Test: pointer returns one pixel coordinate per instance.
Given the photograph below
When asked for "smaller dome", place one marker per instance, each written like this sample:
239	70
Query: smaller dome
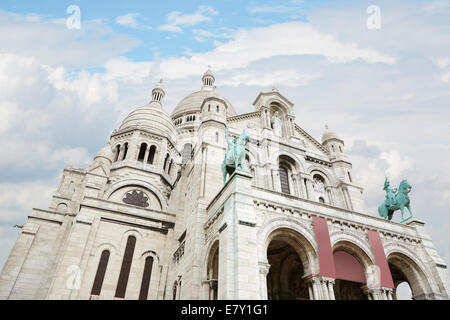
328	135
106	152
151	117
208	73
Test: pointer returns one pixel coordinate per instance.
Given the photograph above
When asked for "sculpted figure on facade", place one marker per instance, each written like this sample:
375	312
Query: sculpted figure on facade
276	124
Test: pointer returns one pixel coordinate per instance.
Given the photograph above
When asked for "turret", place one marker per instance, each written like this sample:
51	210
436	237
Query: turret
333	143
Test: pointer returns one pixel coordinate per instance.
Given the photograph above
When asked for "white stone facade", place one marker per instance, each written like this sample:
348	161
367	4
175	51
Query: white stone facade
159	181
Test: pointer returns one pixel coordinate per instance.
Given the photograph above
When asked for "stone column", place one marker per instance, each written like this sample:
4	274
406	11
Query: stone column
205	290
295	185
147	150
263	271
300	186
373	293
310	188
315	287
276	179
330	287
347	199
330	195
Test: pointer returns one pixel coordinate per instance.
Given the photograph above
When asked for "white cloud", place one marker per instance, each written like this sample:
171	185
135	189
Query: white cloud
170	28
441	62
288	78
398	165
22	197
446	77
177	19
273	9
128	19
292	38
88	47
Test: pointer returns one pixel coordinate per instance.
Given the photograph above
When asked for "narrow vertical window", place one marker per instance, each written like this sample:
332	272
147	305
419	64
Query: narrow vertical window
125	268
165	162
170	166
217	137
151	154
145	285
142	151
349	176
174	291
125	151
116	157
100	275
284	180
340	149
218	109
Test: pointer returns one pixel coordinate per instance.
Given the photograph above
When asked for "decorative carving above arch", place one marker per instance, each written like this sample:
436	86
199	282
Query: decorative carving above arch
159	200
136	198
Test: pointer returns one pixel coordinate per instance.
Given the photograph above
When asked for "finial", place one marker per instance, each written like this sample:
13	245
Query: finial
161	81
326	127
274	89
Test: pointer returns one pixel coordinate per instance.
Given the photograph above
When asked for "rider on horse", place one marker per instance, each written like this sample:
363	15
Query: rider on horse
390	194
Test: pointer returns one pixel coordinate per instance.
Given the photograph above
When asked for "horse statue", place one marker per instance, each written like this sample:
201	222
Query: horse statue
235	154
395	200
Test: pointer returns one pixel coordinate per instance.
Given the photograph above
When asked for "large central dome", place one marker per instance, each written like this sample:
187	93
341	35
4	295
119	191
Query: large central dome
193	102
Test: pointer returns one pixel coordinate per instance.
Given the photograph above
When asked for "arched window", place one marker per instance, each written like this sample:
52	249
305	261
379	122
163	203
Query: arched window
125	268
209	107
145	285
321	200
284	179
116	157
186	155
174	291
151	154
142	151
218	109
125	151
100	275
334	149
165	162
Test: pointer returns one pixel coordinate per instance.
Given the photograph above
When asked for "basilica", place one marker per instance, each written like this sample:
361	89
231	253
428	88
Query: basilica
153	218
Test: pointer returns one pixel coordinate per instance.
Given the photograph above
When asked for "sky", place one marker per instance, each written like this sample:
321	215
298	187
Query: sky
383	85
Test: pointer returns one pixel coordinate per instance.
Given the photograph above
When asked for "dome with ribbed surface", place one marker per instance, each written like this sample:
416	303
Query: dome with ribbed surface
328	135
106	152
193	102
151	117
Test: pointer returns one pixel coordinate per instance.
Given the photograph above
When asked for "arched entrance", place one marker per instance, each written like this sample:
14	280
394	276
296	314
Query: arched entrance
289	256
405	270
350	263
213	271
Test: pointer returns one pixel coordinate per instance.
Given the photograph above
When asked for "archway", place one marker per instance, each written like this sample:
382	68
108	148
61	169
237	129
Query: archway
350	263
213	271
405	271
288	255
